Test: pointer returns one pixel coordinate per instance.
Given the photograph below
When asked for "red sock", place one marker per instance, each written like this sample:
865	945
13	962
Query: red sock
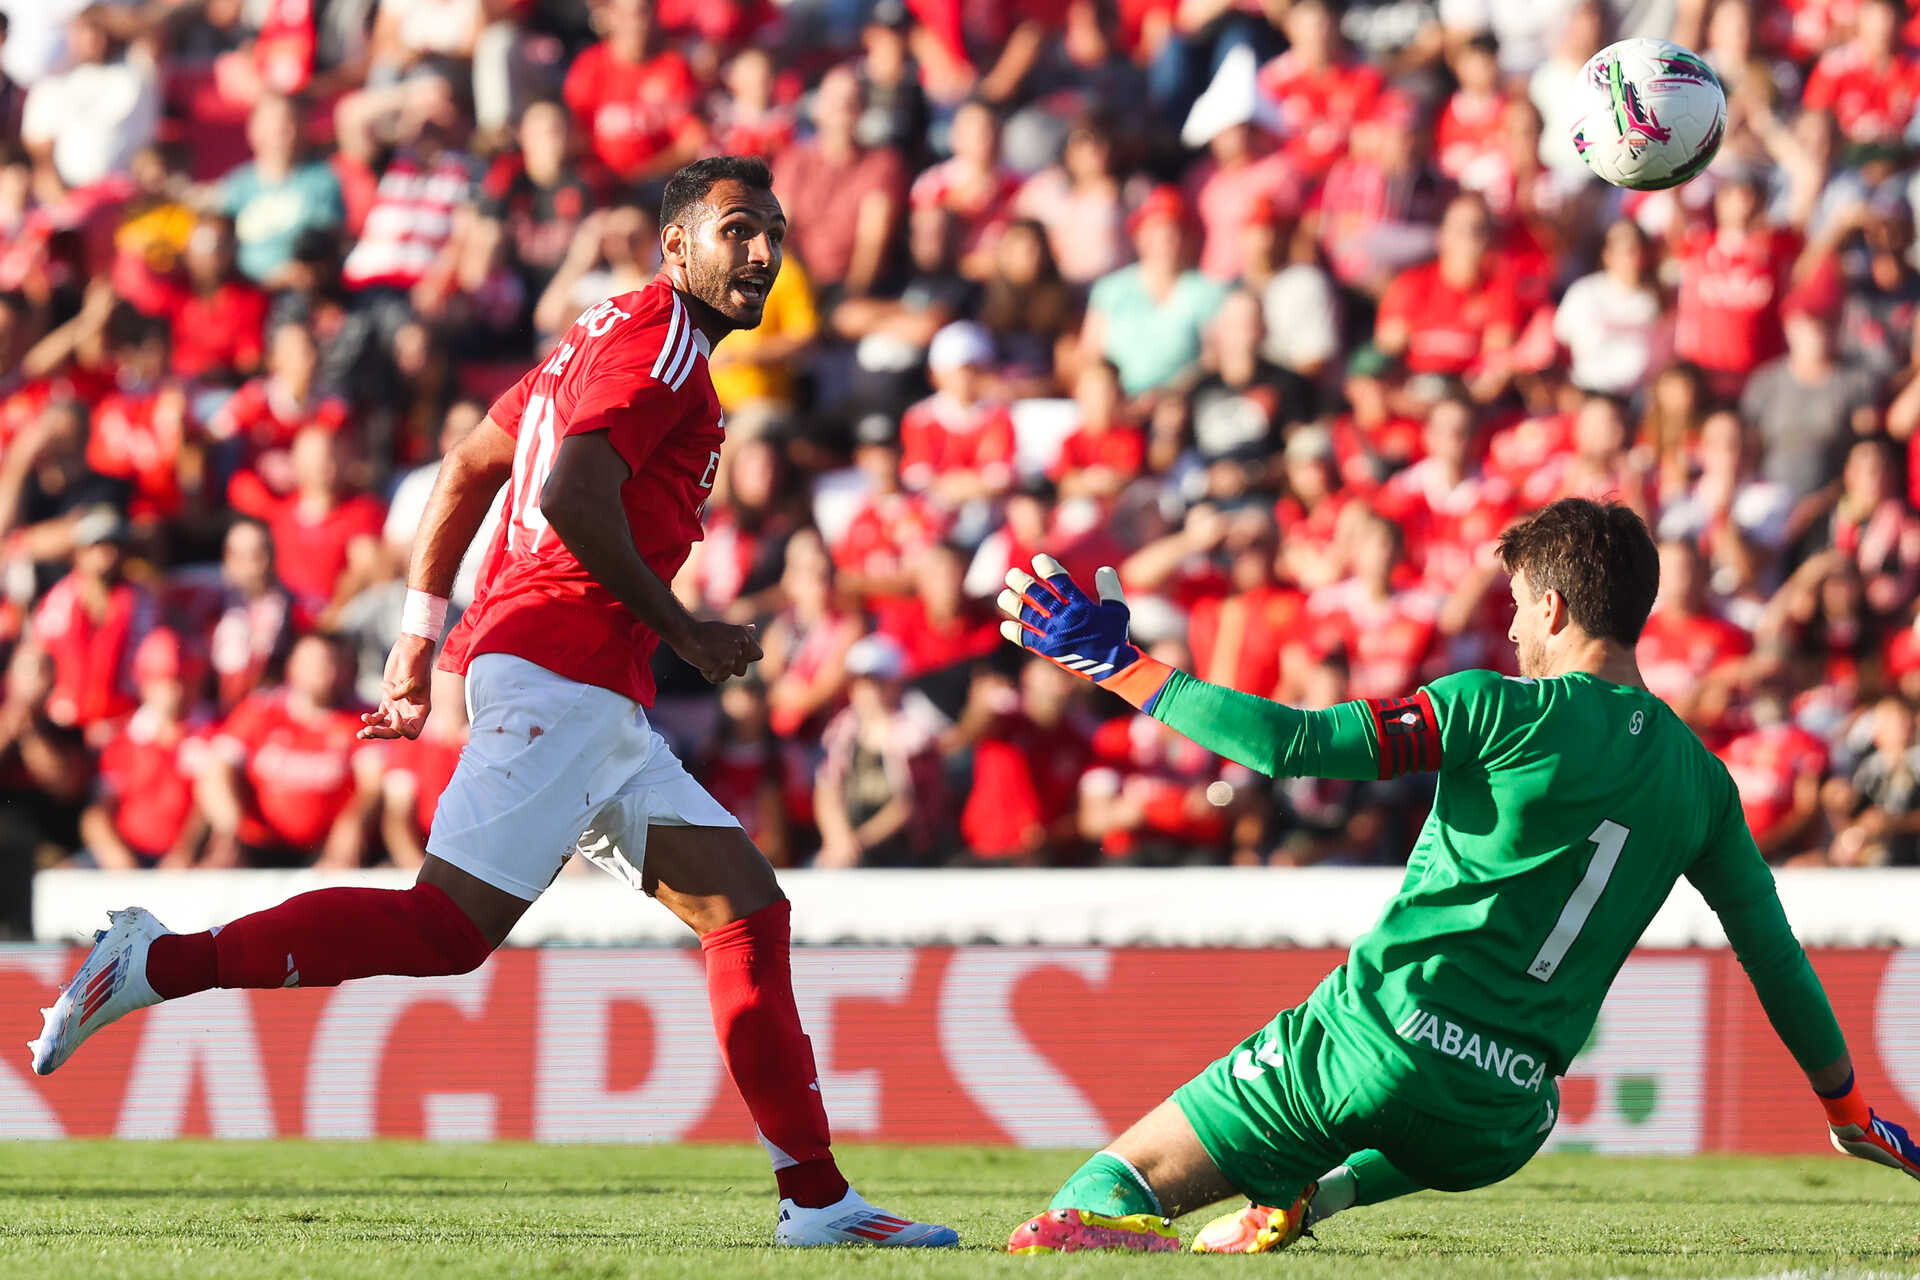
750	986
322	939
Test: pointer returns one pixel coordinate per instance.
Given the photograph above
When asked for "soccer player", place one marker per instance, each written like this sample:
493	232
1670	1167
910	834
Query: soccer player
1570	801
609	448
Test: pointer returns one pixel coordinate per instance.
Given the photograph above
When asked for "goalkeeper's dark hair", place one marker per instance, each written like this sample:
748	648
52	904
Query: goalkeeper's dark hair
1597	555
689	188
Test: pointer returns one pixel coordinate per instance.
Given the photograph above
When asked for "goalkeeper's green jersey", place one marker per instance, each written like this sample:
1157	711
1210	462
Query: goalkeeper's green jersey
1566	810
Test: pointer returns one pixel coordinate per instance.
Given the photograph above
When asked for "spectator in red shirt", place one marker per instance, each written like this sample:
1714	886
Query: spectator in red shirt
806	643
844	199
957	445
1386	626
636	100
1457	314
875	552
141	428
746	769
1869	83
1692	659
326	536
1874	528
1243	171
748	118
1467	137
1733	278
940	631
1778	768
409	777
1600	465
1105	451
972	186
1320	90
1243	639
91	622
263	416
1450	509
279	788
1146	799
251	626
142	814
1023	805
219	318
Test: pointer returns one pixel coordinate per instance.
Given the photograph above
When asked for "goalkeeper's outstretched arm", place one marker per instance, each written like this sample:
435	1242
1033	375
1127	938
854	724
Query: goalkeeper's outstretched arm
1052	616
1737	883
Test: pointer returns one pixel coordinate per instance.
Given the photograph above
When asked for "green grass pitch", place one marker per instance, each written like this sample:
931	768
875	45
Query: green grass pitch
201	1209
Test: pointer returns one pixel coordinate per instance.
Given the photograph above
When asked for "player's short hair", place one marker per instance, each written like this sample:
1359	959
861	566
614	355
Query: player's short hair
1597	555
688	189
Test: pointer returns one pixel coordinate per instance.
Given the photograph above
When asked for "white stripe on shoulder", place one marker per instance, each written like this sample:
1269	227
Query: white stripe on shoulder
684	365
676	339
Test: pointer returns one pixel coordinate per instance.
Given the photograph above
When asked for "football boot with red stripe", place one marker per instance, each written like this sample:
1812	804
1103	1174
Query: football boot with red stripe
851	1220
111	983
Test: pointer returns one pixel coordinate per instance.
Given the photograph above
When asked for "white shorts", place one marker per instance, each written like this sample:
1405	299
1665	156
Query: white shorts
552	766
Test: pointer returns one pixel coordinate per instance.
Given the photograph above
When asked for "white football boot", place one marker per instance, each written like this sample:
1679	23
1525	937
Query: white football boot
111	983
852	1220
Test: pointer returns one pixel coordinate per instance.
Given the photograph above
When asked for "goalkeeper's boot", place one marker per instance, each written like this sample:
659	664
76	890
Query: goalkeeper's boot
1257	1228
1072	1230
851	1220
111	983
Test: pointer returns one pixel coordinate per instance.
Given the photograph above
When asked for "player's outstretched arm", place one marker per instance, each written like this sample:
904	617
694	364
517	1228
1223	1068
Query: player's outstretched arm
581	501
470	476
1048	613
1736	882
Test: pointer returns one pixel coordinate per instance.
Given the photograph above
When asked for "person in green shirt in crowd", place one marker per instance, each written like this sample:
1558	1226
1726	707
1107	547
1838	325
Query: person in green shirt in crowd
1570	801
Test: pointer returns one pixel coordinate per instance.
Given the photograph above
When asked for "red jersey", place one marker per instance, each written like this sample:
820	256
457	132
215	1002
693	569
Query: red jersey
92	657
1240	641
218	332
1121	449
1446	327
981	211
1676	653
1766	764
887	530
1727	319
1514	453
310	550
265	416
933	645
1026	777
632	110
634	367
1467	140
146	781
1870	103
137	437
937	436
1387	641
1448	527
1318	108
299	772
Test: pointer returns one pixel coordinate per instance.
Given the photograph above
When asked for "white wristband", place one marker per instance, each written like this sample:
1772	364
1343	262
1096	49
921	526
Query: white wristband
423	615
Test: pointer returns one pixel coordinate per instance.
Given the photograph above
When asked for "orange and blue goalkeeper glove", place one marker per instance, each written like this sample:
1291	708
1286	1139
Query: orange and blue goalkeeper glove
1048	613
1857	1131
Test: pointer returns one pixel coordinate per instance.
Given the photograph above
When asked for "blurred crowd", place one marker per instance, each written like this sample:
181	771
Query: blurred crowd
1284	307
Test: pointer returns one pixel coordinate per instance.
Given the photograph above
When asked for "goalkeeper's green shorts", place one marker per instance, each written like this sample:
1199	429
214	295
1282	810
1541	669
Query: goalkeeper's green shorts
1291	1102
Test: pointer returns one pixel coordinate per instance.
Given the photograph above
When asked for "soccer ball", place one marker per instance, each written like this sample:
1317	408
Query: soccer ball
1650	114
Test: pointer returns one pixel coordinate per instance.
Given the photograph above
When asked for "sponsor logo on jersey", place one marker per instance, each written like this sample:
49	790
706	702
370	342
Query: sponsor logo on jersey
1449	1037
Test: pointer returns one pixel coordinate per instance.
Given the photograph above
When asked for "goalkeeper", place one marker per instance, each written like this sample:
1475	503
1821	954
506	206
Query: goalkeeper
1570	800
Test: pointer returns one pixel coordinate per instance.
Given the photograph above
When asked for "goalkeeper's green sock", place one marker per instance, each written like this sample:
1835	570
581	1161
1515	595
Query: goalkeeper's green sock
1109	1186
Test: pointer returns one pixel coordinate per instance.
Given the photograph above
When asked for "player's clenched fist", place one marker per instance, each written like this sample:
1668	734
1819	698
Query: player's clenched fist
719	650
405	691
1049	613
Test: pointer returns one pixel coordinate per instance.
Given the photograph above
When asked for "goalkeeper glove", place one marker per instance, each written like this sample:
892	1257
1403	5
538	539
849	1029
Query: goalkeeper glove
1048	613
1856	1131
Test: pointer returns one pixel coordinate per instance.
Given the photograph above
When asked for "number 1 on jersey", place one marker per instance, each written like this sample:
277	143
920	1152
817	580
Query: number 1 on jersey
532	462
1609	838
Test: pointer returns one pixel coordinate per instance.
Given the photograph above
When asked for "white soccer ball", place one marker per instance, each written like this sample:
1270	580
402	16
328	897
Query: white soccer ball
1650	114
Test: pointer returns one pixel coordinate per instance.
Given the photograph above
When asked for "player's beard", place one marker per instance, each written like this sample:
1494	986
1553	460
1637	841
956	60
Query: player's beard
1533	657
713	283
